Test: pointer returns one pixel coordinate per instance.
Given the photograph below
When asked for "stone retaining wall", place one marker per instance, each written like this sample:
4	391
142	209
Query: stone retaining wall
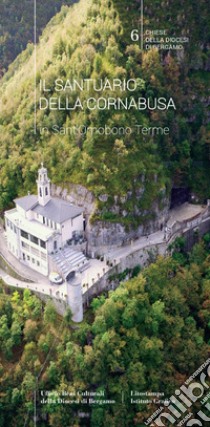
60	305
145	255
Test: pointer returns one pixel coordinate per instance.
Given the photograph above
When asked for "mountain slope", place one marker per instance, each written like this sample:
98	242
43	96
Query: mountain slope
17	25
91	41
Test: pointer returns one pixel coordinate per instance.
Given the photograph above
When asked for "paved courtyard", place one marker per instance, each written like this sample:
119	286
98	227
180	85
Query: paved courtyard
185	212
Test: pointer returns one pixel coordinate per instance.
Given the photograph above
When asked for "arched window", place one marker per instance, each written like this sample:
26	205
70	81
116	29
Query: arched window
40	192
46	191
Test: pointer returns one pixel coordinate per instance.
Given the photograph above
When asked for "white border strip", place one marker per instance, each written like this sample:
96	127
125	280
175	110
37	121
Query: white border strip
142	25
35	66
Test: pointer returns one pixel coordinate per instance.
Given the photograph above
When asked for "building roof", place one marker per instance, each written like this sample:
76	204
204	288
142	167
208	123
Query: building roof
37	229
27	202
30	226
57	210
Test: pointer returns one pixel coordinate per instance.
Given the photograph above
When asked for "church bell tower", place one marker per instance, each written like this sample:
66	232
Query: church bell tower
43	186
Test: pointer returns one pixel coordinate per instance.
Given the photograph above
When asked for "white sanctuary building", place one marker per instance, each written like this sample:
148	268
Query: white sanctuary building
39	227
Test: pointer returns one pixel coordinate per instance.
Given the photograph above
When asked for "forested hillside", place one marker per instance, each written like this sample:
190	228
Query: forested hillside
188	17
149	335
17	27
92	41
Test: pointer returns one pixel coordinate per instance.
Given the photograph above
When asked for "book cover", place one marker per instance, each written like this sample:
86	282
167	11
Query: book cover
105	213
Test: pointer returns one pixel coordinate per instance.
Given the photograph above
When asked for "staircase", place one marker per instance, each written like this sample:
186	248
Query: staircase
67	260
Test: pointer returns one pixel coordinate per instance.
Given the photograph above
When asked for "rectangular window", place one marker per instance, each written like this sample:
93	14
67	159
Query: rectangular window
33	261
38	263
42	244
28	257
55	245
24	234
43	219
34	239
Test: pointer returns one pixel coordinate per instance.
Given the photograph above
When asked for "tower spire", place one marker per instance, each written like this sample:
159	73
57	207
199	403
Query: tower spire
43	186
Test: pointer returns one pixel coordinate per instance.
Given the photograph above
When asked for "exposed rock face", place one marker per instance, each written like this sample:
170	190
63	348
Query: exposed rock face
104	234
77	195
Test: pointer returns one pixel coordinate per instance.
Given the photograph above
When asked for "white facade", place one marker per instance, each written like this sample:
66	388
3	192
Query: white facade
70	226
41	225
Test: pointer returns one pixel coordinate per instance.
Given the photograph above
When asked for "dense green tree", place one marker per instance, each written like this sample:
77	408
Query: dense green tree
50	313
30	330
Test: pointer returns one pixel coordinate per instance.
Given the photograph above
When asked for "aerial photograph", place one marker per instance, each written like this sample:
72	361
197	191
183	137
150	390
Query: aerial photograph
104	213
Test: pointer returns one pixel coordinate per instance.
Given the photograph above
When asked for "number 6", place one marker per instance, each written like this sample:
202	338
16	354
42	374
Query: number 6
135	35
